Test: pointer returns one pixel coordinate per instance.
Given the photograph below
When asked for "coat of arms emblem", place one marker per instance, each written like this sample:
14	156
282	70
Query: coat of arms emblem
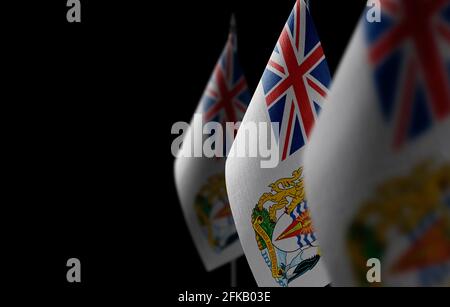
214	213
407	227
284	230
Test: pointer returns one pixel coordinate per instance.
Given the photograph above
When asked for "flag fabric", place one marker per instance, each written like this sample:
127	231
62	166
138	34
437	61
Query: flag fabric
269	206
378	164
200	181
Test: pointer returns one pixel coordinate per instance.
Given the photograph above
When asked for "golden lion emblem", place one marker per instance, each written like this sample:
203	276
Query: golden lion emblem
283	189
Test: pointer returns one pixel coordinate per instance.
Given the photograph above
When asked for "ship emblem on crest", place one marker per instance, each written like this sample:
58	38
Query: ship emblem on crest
284	231
407	226
214	214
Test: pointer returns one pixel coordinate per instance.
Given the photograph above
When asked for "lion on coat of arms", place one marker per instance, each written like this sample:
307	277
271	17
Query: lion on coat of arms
284	230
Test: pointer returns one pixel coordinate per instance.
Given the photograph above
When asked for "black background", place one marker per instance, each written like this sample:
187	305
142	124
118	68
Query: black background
92	171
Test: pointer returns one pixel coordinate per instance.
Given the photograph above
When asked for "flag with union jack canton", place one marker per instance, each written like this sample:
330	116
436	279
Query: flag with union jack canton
269	205
296	81
382	145
200	182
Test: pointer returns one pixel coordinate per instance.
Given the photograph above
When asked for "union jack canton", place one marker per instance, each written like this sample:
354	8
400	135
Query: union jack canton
410	54
296	81
226	96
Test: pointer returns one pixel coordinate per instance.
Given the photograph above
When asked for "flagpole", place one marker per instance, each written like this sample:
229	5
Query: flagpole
233	276
233	23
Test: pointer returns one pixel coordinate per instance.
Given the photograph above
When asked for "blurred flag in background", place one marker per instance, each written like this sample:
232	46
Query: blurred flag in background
200	182
377	168
269	205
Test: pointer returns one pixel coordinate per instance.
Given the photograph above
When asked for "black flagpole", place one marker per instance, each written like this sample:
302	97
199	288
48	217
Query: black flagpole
233	277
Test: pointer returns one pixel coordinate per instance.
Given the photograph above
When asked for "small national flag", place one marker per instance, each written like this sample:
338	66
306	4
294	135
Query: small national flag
270	208
378	165
200	181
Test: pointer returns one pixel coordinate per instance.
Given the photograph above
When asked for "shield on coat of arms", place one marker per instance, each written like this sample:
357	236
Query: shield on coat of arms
406	225
284	231
214	214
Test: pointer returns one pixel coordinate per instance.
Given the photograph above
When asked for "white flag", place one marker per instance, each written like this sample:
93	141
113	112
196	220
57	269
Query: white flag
378	165
268	204
200	180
